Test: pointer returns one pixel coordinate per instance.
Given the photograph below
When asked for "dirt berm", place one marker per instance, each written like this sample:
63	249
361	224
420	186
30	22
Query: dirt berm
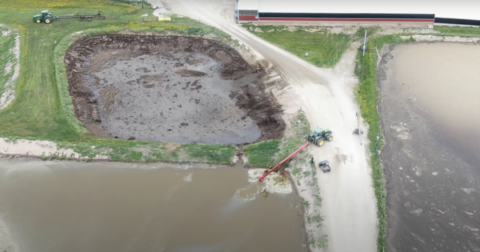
171	89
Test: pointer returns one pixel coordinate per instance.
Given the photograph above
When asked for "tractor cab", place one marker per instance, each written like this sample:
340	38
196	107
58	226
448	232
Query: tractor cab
318	136
317	132
45	13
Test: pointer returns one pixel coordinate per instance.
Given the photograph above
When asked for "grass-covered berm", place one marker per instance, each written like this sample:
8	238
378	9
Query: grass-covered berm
317	45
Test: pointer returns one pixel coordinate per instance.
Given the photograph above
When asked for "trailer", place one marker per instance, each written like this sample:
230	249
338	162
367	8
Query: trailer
87	17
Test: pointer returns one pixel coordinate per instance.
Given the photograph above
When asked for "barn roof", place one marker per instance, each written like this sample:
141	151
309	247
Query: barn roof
248	4
458	9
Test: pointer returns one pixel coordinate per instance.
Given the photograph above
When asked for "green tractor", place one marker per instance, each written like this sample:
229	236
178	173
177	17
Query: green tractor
46	17
318	136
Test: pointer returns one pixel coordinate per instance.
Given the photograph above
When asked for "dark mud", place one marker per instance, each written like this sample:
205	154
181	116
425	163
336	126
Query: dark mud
433	182
169	88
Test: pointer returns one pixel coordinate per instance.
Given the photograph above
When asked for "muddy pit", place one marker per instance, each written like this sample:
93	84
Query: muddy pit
169	88
429	106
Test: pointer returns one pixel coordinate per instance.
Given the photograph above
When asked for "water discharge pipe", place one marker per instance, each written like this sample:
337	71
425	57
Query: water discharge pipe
283	161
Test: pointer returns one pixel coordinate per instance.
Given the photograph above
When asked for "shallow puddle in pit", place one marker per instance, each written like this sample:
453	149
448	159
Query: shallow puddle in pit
67	206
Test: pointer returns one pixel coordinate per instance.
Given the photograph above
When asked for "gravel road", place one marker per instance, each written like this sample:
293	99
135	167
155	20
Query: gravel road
326	97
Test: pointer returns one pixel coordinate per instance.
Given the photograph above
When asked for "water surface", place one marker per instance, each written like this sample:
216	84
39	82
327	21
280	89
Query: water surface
67	206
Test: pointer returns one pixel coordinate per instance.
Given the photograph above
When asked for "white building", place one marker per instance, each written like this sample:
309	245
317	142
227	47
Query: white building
442	11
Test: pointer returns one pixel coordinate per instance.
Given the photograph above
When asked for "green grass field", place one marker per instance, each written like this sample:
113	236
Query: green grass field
269	153
36	111
324	48
40	109
458	31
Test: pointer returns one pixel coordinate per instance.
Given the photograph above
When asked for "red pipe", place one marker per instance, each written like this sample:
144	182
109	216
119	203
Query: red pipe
283	161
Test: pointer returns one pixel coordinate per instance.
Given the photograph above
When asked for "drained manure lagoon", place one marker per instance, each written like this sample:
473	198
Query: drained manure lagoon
170	89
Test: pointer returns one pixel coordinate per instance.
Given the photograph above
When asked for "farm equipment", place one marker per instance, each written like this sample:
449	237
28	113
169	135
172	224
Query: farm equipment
265	174
318	136
47	17
324	166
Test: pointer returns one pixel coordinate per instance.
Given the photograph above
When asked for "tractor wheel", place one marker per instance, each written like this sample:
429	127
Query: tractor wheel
320	142
38	21
329	138
48	20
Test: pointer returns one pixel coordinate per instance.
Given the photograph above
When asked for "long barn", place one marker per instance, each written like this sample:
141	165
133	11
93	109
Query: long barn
465	12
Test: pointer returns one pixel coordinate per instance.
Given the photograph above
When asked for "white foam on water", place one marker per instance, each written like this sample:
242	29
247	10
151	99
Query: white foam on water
188	178
249	192
273	183
17	172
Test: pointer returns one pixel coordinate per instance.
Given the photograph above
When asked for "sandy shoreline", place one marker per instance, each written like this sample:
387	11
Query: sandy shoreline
39	149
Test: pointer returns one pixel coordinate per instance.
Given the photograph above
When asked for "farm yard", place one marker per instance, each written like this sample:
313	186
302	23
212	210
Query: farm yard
198	91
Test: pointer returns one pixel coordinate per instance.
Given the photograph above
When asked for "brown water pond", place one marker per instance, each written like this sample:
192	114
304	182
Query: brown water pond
431	121
68	206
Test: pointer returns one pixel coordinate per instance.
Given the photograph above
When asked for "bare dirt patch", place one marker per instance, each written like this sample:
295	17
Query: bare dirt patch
8	94
169	88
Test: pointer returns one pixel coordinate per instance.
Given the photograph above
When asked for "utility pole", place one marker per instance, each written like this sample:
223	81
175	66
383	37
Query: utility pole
364	44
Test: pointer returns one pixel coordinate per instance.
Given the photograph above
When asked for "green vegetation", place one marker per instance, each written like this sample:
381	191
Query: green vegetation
260	154
458	31
316	218
209	153
296	171
367	97
324	48
306	176
43	108
289	145
306	204
36	112
7	42
268	153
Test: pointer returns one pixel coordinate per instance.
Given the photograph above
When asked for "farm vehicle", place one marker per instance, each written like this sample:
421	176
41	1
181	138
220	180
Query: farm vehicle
318	136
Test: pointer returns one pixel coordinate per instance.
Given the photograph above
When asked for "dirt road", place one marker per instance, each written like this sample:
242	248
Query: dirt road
326	97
